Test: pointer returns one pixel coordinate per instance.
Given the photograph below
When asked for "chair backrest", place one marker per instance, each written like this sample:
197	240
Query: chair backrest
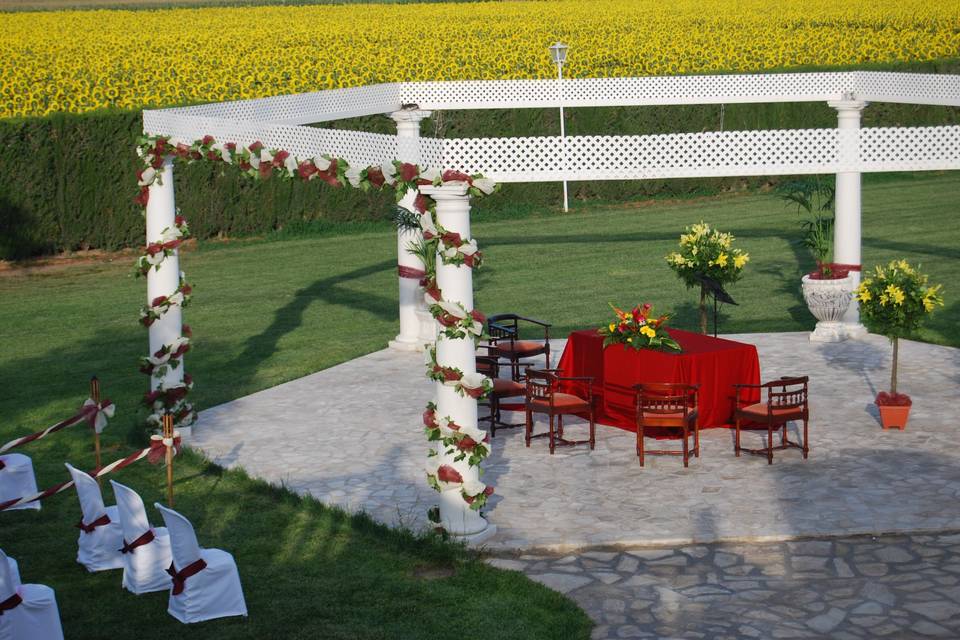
183	539
787	392
541	384
488	366
7	584
502	326
91	501
662	398
133	515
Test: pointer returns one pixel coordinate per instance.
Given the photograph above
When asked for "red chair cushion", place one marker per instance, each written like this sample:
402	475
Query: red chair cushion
759	411
562	402
674	418
520	348
507	388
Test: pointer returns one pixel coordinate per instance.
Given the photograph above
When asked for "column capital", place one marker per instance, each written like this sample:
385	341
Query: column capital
449	191
848	104
409	115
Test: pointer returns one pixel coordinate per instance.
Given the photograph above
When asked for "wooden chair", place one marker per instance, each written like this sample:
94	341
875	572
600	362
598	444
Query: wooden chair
543	396
668	406
786	400
502	388
504	331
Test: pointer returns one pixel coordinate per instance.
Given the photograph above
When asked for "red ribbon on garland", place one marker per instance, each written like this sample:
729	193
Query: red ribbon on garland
410	272
180	577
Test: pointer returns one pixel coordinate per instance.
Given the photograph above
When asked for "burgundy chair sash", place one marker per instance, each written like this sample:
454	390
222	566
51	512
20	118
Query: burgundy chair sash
99	522
2	463
180	577
10	603
146	538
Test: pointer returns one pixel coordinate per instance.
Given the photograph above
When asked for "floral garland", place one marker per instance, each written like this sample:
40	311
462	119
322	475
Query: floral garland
171	399
470	443
456	321
156	252
161	304
456	250
443	476
474	385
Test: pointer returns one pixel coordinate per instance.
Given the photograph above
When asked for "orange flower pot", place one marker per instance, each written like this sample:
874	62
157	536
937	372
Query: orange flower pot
894	416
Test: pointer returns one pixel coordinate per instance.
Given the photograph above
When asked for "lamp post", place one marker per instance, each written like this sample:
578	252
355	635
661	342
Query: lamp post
558	51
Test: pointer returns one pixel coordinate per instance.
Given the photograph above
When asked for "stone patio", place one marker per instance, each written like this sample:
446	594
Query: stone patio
351	436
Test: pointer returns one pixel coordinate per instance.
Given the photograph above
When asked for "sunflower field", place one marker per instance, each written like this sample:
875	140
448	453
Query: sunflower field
77	61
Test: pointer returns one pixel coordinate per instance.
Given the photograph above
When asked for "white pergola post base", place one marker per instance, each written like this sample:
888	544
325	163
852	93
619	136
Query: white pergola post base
847	223
413	314
456	284
165	280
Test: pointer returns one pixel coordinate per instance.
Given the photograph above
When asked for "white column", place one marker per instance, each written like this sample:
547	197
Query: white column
410	337
161	214
456	285
846	231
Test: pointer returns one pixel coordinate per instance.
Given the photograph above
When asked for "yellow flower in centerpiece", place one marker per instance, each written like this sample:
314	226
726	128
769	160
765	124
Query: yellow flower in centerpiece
647	331
612	327
629	339
721	260
741	260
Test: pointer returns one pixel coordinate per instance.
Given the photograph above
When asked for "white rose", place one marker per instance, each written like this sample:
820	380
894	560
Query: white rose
473	487
426	224
453	309
477	328
473	380
353	176
485	185
170	233
450	252
176	298
432	465
389	173
445	429
469	248
147	177
322	164
157	362
430	174
254	161
474	433
266	156
154	259
291	165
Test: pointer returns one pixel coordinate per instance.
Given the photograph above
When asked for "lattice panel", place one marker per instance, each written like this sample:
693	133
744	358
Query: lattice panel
303	108
909	148
731	153
911	88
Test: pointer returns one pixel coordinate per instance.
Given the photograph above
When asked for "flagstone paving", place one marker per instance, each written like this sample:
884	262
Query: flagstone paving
897	587
351	436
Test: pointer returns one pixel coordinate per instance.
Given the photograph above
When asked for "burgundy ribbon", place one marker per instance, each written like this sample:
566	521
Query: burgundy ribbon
410	272
848	267
99	522
158	450
2	463
180	577
10	603
146	538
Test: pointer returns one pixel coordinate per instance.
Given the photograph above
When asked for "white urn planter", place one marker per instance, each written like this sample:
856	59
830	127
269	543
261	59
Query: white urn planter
828	300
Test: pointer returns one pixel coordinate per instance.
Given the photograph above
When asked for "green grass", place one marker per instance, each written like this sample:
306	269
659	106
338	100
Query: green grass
270	311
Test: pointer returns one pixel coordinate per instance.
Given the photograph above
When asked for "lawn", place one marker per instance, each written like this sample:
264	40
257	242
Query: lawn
269	311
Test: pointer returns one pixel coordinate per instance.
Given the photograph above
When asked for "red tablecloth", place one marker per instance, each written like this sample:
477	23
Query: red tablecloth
713	363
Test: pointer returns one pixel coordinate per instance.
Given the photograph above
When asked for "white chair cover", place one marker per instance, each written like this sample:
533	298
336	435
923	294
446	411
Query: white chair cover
17	480
14	571
35	616
145	566
214	591
99	549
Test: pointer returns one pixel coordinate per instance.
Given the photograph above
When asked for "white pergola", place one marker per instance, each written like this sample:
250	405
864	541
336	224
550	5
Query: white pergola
280	123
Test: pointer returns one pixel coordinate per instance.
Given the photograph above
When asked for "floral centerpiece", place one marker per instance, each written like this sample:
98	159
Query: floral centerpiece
707	253
638	328
895	301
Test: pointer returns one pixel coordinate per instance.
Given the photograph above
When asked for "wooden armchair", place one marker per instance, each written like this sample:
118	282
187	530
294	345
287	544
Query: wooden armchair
668	406
543	396
786	401
504	331
489	365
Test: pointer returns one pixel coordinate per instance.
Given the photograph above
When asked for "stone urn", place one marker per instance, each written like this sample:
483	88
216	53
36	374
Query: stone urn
828	299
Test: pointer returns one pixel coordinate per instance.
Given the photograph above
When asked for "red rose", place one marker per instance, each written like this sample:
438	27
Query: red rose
213	155
479	317
147	321
623	326
255	147
467	444
471	260
474	393
154	248
158	301
450	374
488	491
446	473
265	170
157	162
306	169
375	176
177	393
160	146
408	172
151	397
430	418
196	155
182	150
187	379
231	146
280	157
143	197
421	204
456	176
186	289
186	330
146	369
180	351
207	140
179	221
244	165
452	238
446	320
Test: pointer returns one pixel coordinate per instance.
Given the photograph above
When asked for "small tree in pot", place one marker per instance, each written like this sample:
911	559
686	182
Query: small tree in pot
895	301
709	253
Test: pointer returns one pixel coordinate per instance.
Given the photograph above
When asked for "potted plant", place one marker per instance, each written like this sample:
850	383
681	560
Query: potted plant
895	301
707	253
827	290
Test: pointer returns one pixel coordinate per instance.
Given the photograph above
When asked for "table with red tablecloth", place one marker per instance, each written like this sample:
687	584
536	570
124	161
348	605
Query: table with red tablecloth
715	364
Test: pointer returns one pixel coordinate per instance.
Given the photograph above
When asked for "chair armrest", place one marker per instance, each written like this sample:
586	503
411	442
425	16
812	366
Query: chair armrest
588	378
535	321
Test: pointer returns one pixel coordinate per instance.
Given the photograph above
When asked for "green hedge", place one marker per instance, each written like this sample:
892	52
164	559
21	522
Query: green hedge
67	181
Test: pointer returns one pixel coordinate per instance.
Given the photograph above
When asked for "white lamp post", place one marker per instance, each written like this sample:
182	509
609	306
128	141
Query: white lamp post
558	51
